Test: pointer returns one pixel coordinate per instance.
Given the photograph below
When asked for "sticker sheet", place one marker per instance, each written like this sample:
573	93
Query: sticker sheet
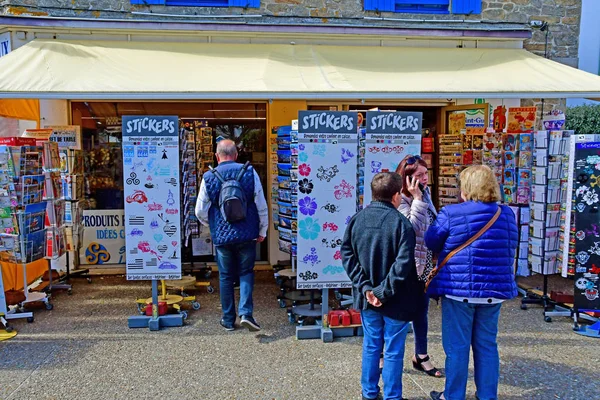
586	202
152	197
390	137
327	165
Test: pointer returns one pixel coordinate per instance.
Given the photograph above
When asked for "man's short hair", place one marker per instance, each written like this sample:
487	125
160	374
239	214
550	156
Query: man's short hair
385	185
226	148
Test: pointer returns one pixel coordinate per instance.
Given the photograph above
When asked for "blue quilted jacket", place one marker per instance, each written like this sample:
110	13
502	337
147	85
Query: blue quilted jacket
485	268
223	232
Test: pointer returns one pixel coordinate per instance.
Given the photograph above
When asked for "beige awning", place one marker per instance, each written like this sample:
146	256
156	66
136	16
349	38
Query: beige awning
144	70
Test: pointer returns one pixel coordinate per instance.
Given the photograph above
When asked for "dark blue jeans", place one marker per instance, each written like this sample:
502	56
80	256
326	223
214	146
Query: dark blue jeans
236	262
420	327
464	326
377	331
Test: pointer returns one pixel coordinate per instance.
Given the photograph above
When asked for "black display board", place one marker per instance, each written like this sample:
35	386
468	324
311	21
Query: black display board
586	204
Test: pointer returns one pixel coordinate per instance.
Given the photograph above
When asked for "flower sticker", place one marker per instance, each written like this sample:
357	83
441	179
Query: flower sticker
348	218
303	157
333	269
309	228
319	150
312	258
307	206
590	197
301	147
330	226
305	186
337	255
304	169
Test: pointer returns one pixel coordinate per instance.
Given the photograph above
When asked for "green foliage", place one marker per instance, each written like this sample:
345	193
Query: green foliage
583	119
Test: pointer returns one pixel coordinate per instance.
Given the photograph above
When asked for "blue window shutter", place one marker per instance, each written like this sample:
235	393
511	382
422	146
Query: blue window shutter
466	6
380	5
149	2
245	3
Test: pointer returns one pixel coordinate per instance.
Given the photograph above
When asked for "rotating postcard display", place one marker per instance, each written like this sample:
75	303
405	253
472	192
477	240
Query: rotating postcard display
327	158
152	197
587	226
390	137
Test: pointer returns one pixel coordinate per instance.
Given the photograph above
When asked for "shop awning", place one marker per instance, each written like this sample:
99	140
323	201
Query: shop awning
144	70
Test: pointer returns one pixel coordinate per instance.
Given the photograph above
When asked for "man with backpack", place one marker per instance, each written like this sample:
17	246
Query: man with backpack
232	204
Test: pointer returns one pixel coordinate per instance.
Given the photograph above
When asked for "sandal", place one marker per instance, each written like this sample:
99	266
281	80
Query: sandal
418	365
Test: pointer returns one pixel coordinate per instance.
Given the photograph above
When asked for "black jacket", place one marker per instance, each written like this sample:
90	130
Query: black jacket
378	254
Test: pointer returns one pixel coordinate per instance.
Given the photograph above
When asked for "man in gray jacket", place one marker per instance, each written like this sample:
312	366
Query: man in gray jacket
378	256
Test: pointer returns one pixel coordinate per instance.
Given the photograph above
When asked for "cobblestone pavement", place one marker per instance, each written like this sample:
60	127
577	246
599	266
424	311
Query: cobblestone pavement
83	350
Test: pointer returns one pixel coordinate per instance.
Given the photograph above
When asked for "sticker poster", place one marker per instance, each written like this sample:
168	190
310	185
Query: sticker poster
327	164
390	137
152	201
521	119
587	225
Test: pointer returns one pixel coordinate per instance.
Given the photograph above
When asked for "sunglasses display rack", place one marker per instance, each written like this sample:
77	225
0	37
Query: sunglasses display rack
545	224
23	231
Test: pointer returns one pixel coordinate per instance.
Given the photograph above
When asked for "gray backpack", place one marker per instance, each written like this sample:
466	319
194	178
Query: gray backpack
232	199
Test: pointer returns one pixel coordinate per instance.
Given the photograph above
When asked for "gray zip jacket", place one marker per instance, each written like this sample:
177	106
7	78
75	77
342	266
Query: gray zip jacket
416	212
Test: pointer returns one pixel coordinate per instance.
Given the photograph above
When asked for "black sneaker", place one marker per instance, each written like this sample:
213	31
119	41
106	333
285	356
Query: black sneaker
228	327
249	322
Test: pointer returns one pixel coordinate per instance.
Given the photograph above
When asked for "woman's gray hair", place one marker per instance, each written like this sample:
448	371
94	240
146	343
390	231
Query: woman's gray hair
226	148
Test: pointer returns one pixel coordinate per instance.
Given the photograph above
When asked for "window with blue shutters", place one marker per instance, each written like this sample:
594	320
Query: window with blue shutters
201	3
425	6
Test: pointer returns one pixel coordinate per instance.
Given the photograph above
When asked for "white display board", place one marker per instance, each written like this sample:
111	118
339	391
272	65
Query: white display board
390	136
103	237
152	197
327	166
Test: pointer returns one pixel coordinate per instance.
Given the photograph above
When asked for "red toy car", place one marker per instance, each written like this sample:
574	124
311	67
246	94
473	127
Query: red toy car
138	196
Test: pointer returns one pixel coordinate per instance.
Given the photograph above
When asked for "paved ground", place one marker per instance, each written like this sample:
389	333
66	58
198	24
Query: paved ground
84	350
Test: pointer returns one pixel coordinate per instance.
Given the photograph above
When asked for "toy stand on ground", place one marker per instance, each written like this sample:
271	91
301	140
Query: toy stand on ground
156	321
186	282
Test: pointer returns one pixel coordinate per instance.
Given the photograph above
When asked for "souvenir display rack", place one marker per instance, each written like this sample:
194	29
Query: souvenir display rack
544	244
303	308
56	243
23	214
72	164
196	145
450	164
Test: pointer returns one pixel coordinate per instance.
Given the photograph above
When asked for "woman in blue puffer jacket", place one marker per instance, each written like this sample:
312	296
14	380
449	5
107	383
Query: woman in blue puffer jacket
474	282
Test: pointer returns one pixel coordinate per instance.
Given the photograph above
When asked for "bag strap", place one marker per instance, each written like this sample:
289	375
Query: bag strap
487	226
241	173
217	174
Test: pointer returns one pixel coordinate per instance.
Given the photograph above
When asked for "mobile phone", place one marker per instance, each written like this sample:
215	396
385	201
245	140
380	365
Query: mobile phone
421	187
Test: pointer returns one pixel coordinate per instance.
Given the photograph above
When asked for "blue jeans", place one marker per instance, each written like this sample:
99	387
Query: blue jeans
420	327
464	326
377	331
236	262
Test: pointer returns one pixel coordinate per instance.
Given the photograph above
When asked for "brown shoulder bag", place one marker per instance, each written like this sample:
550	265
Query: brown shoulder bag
435	271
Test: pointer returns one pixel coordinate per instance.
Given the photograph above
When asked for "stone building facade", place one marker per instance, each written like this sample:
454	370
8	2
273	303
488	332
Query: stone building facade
559	42
563	16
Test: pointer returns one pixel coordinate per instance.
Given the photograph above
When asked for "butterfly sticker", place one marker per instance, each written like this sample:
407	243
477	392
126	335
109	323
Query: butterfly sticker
347	155
327	174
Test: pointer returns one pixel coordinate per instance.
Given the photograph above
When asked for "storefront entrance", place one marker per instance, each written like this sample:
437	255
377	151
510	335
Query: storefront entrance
244	123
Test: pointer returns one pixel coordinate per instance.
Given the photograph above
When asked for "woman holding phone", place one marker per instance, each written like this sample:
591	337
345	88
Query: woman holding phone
417	206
